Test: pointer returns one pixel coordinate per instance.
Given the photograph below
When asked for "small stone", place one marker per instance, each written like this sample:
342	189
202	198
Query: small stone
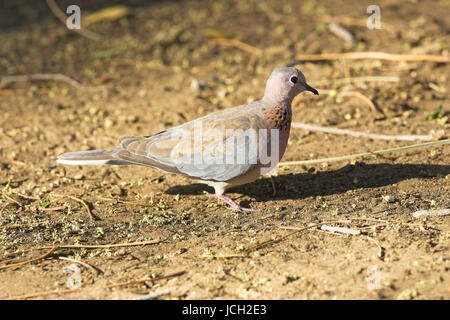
108	123
222	93
194	84
389	199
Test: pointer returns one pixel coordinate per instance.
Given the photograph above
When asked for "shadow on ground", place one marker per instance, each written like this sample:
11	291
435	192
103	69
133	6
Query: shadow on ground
350	177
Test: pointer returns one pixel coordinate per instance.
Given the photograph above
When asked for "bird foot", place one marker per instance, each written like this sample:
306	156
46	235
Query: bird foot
232	204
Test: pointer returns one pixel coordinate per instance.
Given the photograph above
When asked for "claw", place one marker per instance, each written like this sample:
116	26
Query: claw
232	204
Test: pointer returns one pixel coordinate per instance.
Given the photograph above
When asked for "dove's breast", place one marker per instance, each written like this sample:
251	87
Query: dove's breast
279	118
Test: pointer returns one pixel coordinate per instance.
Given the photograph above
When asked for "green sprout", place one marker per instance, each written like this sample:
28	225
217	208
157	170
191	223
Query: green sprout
436	115
45	203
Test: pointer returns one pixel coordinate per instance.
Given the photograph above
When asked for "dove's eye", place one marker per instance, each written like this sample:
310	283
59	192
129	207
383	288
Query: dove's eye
294	79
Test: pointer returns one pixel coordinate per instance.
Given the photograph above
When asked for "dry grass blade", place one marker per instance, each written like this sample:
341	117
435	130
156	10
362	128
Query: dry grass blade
31	260
340	230
237	44
134	203
357	134
62	17
104	246
22	225
138	282
342	33
43	294
24	195
362	97
7	197
368	154
270	242
154	295
328	228
255	52
344	20
114	285
85	205
442	212
356	79
97	270
274	188
4	207
46	77
53	208
372	55
380	248
107	14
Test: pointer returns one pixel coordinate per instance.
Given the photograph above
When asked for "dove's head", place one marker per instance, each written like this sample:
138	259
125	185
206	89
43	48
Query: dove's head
284	84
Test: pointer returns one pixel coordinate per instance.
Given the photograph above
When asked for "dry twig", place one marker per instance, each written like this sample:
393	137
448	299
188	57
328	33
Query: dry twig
380	248
368	154
7	197
4	207
274	189
357	134
340	230
138	282
357	79
114	285
97	270
105	246
442	212
62	17
372	55
342	33
48	76
22	225
154	295
53	208
85	205
255	52
24	195
344	20
298	230
237	44
362	97
134	203
31	260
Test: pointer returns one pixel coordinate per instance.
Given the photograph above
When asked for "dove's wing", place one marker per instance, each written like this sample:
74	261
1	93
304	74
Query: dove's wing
220	146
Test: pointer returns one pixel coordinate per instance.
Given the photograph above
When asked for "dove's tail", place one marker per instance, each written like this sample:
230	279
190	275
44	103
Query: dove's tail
90	158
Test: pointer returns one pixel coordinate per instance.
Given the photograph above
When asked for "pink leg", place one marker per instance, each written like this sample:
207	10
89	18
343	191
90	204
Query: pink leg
233	204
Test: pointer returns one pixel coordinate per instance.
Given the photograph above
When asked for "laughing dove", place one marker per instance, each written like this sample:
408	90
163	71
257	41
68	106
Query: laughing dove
223	149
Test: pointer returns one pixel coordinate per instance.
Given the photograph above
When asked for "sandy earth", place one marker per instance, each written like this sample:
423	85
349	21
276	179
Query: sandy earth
159	67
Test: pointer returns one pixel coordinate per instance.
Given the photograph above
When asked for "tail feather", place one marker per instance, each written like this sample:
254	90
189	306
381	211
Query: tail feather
91	157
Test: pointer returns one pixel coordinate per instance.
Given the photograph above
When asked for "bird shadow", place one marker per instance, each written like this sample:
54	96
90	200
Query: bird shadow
322	183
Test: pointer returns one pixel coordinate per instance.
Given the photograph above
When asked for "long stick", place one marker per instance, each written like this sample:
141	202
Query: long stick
372	55
367	154
105	246
48	76
59	292
28	261
357	79
357	134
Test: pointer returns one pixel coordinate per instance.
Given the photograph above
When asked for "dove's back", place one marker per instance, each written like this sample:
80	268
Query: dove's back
177	149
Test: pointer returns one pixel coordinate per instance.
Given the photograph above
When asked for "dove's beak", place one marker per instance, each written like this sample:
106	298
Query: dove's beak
309	88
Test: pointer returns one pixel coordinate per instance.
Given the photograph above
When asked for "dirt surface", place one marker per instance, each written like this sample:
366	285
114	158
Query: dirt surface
158	67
